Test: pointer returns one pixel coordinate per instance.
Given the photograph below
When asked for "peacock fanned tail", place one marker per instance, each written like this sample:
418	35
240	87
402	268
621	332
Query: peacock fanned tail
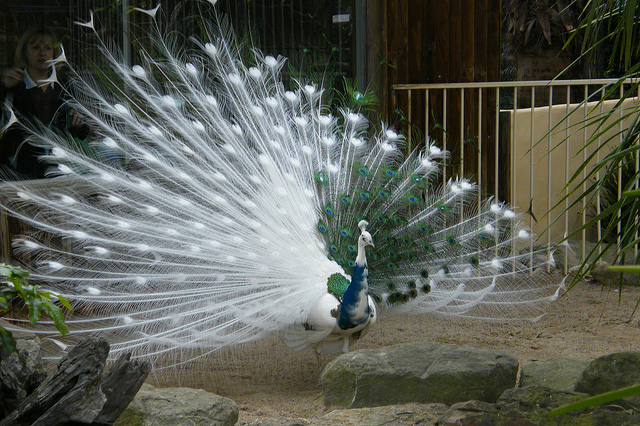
217	204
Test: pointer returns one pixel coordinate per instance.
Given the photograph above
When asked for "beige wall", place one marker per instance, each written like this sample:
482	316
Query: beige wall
554	161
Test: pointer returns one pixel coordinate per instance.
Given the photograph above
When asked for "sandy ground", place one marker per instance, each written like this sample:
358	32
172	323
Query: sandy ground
269	380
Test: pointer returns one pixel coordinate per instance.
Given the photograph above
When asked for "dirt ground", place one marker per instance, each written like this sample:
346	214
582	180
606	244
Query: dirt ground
269	380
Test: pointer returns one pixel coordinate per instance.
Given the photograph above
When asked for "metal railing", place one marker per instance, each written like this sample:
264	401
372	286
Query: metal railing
527	141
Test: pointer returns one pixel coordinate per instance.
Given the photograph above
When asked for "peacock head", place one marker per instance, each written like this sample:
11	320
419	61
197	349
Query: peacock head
365	237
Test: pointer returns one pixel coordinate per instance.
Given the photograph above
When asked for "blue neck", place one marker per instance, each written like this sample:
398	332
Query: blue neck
354	310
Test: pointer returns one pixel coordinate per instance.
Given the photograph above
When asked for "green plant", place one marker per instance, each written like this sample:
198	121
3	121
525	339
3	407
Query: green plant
16	293
609	29
596	400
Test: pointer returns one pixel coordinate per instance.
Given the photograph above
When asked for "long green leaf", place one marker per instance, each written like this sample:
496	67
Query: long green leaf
596	400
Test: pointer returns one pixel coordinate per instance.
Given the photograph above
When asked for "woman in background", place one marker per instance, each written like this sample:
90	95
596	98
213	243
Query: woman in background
32	98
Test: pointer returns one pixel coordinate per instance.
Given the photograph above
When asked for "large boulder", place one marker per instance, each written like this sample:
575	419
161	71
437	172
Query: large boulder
178	407
611	372
417	372
557	373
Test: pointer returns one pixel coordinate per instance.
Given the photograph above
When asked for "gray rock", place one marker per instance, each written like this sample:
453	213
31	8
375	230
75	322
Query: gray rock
529	406
558	373
469	413
20	373
601	274
611	372
417	372
178	407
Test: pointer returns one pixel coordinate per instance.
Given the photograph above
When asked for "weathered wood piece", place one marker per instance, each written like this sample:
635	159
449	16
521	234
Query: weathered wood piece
77	393
120	384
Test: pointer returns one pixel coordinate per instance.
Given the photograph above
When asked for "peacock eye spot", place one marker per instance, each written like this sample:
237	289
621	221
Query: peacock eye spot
391	285
411	284
413	294
426	288
329	210
424	273
322	177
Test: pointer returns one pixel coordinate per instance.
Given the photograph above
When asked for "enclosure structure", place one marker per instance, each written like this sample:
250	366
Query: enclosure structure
539	149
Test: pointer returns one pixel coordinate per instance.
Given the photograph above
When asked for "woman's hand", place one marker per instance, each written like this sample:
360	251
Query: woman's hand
12	76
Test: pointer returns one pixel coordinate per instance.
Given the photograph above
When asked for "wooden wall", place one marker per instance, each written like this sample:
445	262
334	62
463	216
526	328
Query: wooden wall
437	41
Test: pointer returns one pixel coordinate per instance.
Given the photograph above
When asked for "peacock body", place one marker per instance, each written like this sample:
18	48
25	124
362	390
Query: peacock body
218	207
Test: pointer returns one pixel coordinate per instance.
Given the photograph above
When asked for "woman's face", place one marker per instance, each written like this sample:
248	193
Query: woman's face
39	53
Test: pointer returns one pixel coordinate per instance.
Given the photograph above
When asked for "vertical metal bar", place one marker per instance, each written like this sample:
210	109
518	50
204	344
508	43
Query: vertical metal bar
531	136
621	126
566	180
549	125
480	111
462	108
598	193
514	161
444	131
637	184
410	119
584	174
497	142
514	155
426	116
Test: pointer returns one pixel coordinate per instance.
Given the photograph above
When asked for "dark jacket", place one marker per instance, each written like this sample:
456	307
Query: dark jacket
16	154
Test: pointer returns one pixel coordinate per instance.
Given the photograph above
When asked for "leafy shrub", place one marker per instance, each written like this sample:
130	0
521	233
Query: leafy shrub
16	294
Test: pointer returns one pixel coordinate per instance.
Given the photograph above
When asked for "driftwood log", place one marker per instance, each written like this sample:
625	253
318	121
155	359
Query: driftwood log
78	393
